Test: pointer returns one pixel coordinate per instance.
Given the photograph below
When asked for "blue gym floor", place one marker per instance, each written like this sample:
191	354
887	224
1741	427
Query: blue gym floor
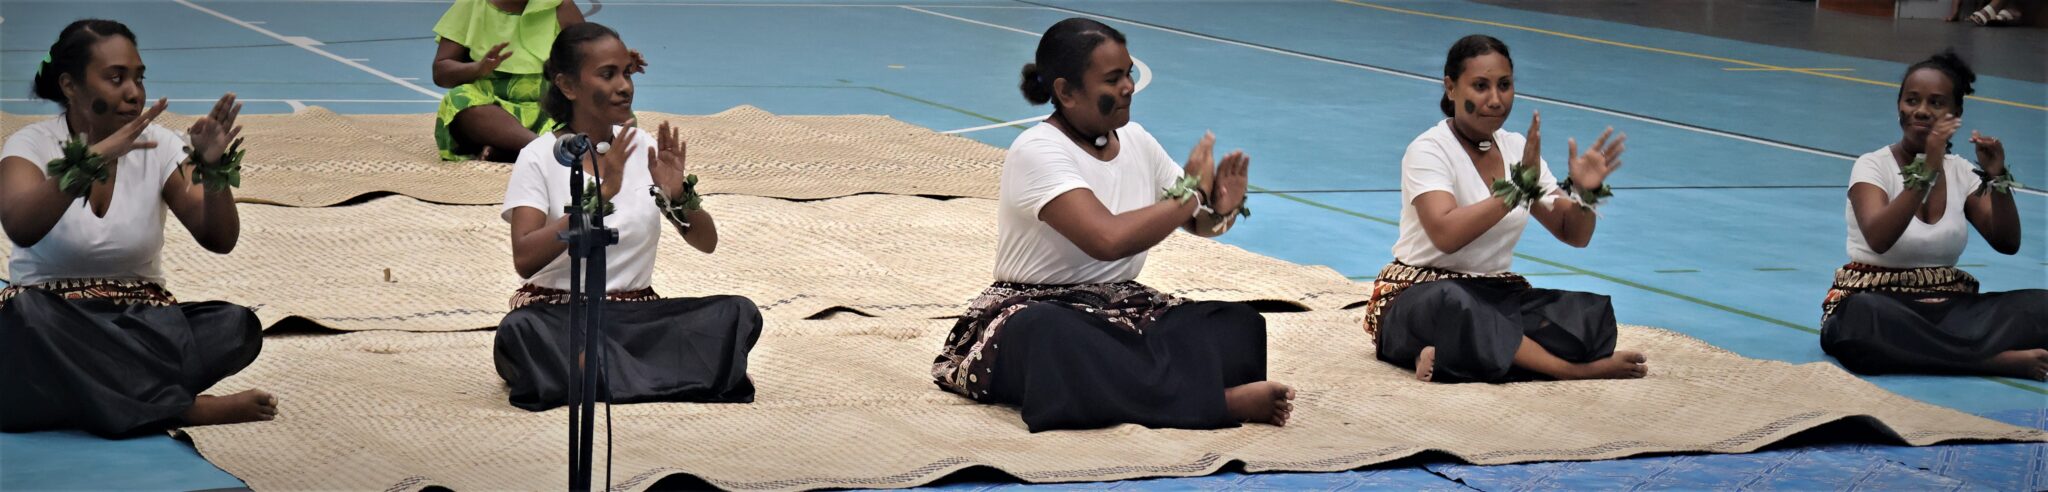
1727	225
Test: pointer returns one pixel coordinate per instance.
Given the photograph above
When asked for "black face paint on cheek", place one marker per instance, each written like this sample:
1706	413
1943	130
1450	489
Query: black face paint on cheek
1471	108
1105	105
99	106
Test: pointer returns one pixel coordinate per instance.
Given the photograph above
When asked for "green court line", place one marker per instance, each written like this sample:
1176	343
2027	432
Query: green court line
1323	206
940	105
1678	270
1361	277
1776	269
1622	281
156	82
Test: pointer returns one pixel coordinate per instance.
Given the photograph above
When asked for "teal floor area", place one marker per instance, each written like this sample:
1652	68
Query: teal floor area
1727	225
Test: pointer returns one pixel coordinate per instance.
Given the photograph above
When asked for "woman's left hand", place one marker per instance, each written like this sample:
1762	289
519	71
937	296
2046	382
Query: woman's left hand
668	161
1990	153
211	134
1590	170
1232	179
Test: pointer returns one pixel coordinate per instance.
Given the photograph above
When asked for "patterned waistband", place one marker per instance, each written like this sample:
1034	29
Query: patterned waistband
1859	277
970	348
1398	276
119	291
1123	296
530	294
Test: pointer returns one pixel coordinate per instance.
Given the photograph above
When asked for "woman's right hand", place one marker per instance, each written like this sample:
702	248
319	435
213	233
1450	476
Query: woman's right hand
1532	148
1202	162
496	56
122	141
1938	136
611	165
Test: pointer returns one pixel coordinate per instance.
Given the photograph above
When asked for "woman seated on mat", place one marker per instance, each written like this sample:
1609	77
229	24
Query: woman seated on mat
89	337
490	58
1448	306
655	349
1900	305
1065	332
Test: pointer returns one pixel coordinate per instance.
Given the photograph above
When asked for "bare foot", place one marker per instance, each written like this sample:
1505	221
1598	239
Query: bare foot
1622	365
1262	402
247	406
1425	364
2024	364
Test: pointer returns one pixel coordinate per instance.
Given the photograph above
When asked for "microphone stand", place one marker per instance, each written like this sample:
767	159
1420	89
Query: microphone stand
587	237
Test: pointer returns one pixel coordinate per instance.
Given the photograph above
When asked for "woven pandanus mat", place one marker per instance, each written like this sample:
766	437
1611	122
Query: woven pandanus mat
318	158
850	403
450	267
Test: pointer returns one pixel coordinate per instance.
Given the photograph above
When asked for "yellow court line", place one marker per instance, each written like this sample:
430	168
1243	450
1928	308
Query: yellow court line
1654	49
1734	69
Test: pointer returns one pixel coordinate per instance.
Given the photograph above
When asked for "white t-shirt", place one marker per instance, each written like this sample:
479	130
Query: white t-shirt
128	242
1043	163
1435	161
538	182
1922	244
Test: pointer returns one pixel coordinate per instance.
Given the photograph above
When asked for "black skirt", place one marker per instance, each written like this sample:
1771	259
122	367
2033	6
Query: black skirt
1476	327
1889	332
1072	370
673	350
115	369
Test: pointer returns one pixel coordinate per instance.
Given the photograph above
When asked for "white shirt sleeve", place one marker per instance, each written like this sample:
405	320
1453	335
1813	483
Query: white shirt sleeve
1547	180
33	145
1425	168
1869	170
168	155
527	186
1044	171
1165	170
1966	174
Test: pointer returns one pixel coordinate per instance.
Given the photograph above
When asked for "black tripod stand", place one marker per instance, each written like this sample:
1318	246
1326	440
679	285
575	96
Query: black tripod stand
587	237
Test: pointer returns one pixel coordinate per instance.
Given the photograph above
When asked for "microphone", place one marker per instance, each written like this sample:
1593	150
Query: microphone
569	150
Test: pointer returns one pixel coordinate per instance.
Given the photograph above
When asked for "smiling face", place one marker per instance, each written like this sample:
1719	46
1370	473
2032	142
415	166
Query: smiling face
1924	97
1100	102
1484	95
109	91
601	89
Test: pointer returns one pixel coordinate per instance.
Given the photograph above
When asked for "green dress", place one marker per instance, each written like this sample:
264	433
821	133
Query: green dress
517	85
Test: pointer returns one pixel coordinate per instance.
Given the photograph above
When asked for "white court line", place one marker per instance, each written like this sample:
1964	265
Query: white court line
1708	131
286	101
1568	104
971	21
992	126
704	4
300	41
297	106
1145	71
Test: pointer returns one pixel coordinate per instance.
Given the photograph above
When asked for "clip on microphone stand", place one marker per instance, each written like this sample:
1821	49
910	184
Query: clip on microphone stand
587	237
